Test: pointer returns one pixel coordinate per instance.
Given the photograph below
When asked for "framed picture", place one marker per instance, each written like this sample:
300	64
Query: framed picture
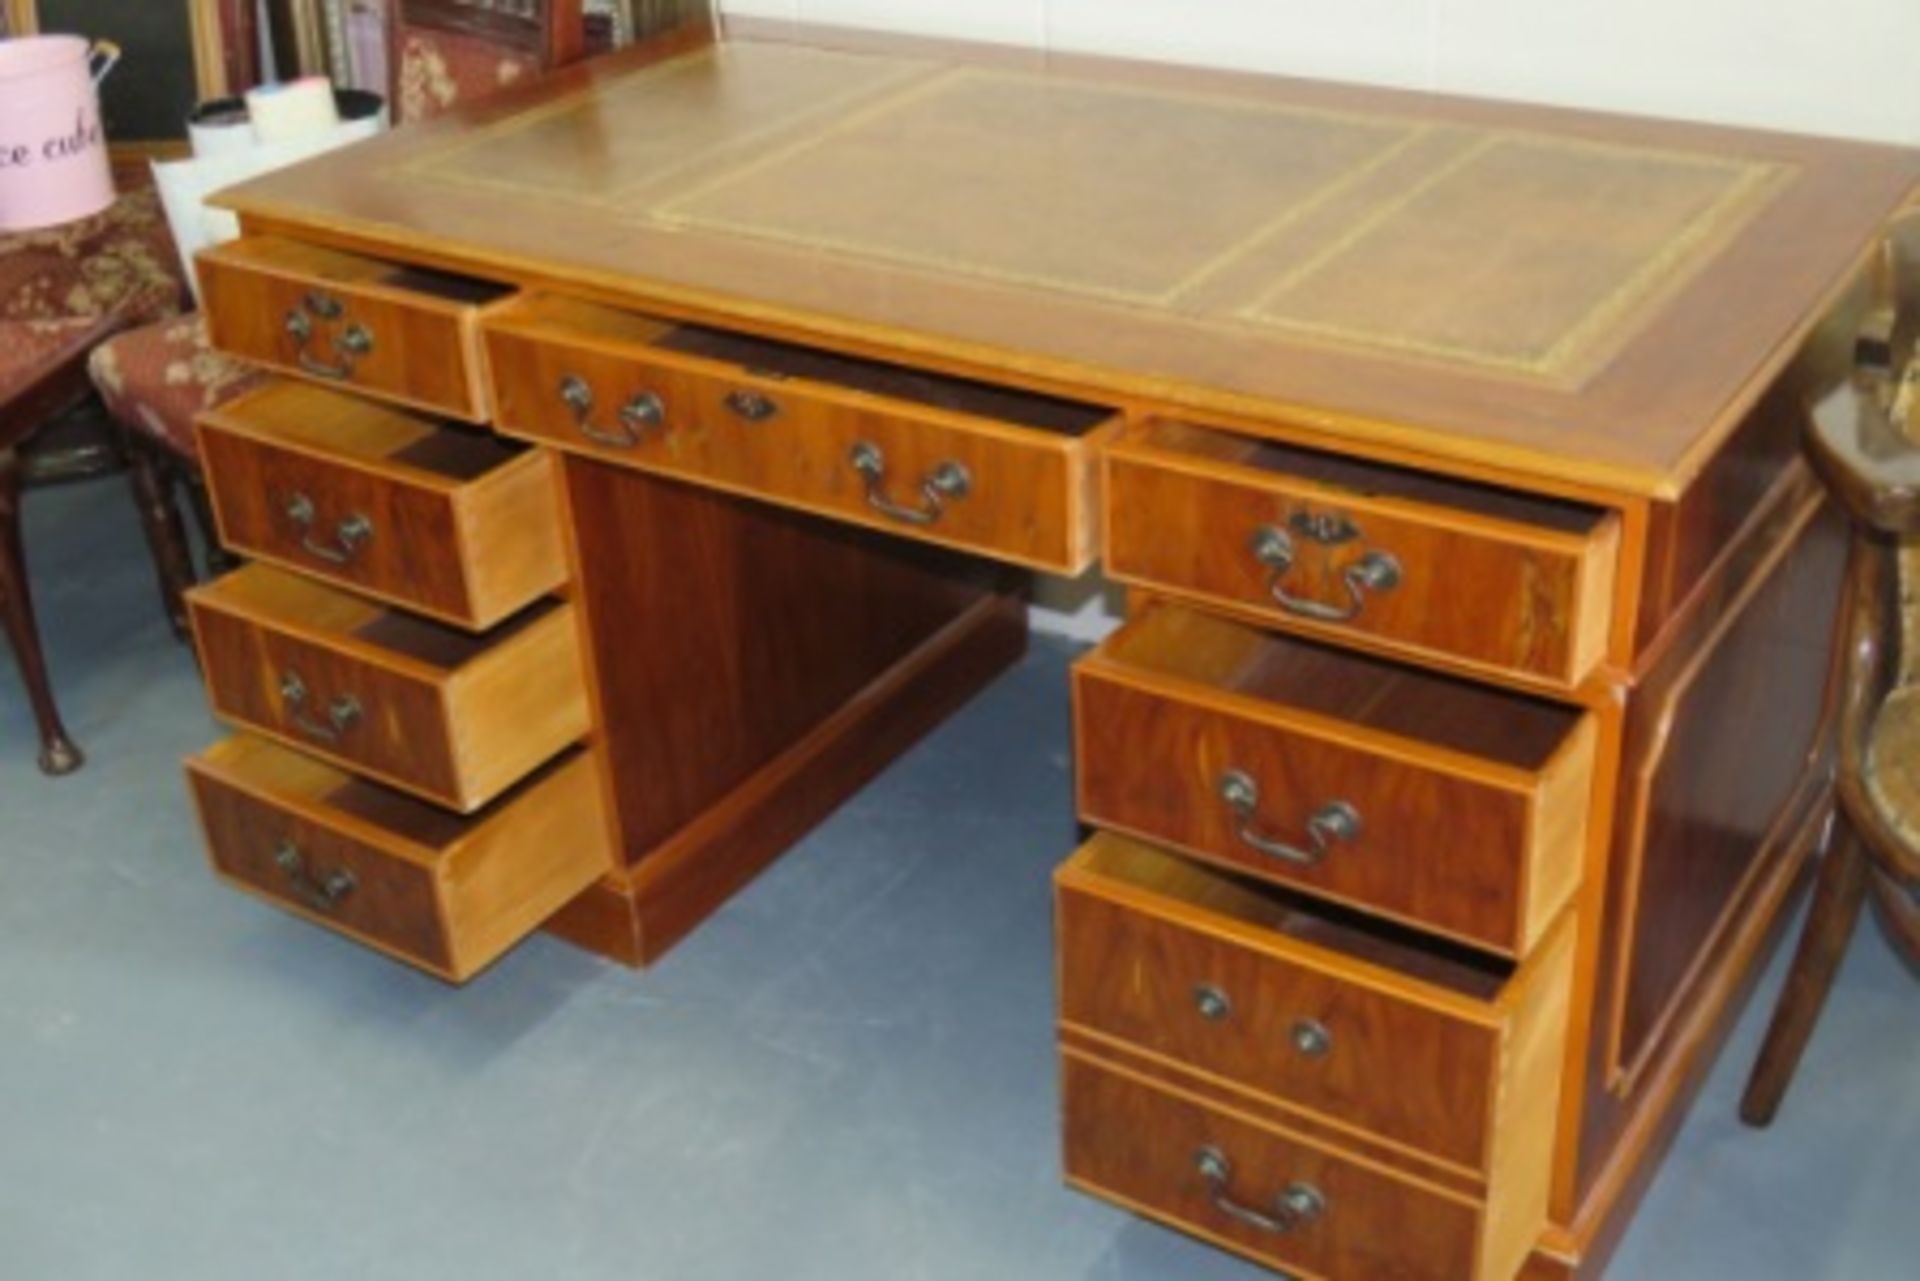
174	55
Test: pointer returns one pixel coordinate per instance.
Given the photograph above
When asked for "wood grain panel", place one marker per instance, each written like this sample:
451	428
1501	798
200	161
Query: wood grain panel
1438	1052
447	893
781	423
1138	1144
725	630
451	717
1723	761
1492	579
455	524
1471	804
300	308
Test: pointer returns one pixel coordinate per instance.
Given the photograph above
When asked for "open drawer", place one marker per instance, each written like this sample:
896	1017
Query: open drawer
405	333
445	714
1322	1026
1453	806
444	892
1409	561
1004	473
447	520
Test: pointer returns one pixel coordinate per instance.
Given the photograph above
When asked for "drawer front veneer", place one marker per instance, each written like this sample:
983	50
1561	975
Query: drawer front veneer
1286	1203
449	716
1431	568
397	332
1001	473
451	522
1349	1022
1438	802
442	892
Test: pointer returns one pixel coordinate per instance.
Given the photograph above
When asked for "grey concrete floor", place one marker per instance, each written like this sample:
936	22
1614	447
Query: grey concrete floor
848	1073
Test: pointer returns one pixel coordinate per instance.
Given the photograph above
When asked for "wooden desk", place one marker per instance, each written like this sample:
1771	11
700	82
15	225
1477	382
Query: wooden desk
1466	738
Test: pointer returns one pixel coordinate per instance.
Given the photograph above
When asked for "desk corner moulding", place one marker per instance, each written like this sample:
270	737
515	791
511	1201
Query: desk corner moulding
659	448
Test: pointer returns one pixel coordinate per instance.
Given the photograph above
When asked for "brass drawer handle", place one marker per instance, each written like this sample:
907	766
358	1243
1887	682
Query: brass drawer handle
947	481
351	343
751	405
644	410
349	535
343	713
1374	571
1334	821
323	893
1296	1207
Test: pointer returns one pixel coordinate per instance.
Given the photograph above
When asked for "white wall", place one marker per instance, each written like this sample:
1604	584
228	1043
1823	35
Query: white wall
1848	67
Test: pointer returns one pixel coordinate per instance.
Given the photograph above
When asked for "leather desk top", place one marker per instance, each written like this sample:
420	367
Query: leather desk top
1586	299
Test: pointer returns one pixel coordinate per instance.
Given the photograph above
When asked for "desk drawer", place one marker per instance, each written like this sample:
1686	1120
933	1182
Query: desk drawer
446	893
1003	473
1306	1209
1208	1172
1363	1026
404	333
1407	561
1449	805
447	715
445	520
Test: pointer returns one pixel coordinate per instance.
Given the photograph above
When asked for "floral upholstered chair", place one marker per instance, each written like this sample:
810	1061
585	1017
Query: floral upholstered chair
62	290
156	380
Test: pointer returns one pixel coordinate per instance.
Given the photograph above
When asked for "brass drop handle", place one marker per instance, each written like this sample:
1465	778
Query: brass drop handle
349	535
350	343
343	713
1299	1205
1333	821
643	410
1373	571
321	892
947	481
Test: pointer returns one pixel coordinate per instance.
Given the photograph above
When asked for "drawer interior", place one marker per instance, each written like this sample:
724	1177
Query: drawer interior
1369	479
407	827
1413	704
333	266
313	419
1191	890
767	358
294	603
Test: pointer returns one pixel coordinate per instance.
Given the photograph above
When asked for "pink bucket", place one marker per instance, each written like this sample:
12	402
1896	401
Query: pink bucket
53	148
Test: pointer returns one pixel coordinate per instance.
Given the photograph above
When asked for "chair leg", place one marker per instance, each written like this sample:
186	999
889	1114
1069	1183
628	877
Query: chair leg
1837	898
148	472
219	559
58	755
1899	914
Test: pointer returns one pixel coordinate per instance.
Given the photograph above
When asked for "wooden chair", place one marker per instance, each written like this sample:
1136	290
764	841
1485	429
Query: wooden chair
156	380
1871	462
62	290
